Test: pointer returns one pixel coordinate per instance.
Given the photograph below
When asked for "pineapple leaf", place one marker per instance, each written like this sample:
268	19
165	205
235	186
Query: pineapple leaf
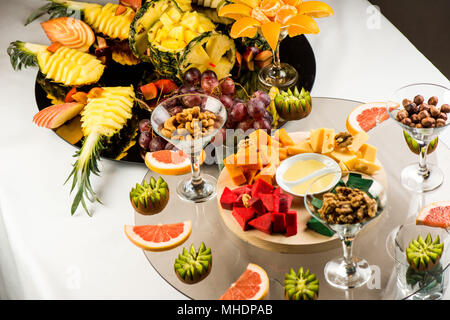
20	56
38	13
55	9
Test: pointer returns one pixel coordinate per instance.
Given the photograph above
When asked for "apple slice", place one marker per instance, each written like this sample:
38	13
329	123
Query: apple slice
56	115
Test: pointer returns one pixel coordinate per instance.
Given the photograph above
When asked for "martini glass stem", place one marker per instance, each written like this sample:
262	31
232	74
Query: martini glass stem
195	169
276	56
423	169
347	245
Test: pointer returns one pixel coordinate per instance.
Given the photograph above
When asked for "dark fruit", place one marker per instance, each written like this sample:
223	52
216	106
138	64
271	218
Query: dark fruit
209	84
157	143
145	125
186	88
150	197
209	73
245	125
227	86
174	110
261	95
256	108
238	112
227	101
191	100
193	76
263	124
144	139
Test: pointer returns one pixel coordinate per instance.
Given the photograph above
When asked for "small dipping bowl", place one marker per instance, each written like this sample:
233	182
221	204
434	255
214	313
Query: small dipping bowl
287	185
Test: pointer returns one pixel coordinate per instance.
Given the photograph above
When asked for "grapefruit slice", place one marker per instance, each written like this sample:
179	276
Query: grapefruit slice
159	237
253	284
368	115
436	214
169	162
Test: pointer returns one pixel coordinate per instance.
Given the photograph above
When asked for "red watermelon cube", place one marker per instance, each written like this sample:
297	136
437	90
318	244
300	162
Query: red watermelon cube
285	202
278	222
261	186
291	223
241	190
278	191
271	202
263	223
258	205
243	215
227	199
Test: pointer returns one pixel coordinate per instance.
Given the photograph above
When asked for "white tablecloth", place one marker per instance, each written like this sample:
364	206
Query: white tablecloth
47	254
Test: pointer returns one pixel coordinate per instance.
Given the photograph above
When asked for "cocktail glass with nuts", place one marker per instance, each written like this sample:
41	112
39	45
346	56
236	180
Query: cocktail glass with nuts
190	121
346	210
423	115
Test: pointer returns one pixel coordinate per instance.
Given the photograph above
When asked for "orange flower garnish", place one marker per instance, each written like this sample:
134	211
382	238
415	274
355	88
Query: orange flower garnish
270	7
271	32
245	27
285	13
259	15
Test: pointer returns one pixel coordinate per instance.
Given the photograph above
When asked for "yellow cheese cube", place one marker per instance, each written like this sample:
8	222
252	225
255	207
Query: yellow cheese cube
259	138
301	147
365	166
344	168
316	138
345	156
358	140
328	140
267	174
283	137
368	152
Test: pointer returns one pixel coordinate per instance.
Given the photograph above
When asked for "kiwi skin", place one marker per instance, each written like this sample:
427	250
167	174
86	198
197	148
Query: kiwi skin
145	205
150	210
197	277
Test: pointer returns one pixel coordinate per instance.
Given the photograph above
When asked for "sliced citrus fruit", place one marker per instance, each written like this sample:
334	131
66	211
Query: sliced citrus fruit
294	3
302	25
169	162
436	214
285	13
244	27
253	284
250	3
159	237
368	115
315	9
270	7
271	32
259	15
235	11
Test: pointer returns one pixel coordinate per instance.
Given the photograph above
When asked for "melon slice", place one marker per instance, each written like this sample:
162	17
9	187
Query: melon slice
263	223
243	215
227	199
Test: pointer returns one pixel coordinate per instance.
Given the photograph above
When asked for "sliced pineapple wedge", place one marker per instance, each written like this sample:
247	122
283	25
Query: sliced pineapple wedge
210	51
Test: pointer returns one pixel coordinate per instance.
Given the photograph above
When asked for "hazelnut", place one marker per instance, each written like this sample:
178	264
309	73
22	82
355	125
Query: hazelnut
415	118
434	111
442	116
424	107
428	122
418	99
433	100
445	108
410	108
419	125
440	123
402	114
405	102
423	114
406	121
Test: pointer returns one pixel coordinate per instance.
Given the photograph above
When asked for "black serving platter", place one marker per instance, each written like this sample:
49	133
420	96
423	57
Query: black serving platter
295	51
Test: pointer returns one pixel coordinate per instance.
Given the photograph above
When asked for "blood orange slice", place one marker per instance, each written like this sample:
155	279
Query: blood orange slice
253	284
159	237
436	214
367	116
169	162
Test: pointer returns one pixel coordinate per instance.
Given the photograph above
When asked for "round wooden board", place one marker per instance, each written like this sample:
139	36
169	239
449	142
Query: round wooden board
306	240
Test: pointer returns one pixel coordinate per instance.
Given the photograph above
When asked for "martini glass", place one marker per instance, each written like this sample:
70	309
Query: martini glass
196	187
347	272
278	74
421	176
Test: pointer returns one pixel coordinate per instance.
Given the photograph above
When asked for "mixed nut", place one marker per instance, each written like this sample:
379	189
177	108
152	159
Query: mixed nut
343	139
189	124
347	206
418	114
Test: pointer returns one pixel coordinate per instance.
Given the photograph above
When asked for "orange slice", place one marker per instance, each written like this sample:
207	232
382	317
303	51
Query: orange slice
294	3
315	9
302	24
250	3
435	215
159	237
259	15
367	116
271	32
253	284
235	11
169	162
285	13
270	7
244	27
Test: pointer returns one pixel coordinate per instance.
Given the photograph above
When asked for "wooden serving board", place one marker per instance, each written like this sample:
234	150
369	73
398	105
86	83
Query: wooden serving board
306	240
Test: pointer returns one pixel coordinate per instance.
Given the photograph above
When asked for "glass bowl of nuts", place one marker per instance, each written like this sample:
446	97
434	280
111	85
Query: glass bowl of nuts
346	208
423	115
190	121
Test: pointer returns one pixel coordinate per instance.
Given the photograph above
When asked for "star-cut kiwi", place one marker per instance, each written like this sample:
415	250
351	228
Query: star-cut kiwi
301	285
424	254
194	265
150	197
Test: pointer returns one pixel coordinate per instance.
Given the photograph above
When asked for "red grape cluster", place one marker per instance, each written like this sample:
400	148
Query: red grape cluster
148	141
